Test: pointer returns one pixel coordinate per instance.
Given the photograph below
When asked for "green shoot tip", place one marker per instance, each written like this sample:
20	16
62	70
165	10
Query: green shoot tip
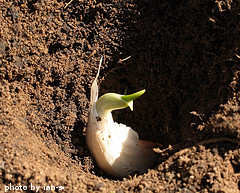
131	97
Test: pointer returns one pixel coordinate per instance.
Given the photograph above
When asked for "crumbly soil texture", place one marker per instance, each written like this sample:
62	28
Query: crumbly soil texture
186	54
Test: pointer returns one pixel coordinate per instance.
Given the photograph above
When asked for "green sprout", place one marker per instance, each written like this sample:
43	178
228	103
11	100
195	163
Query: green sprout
112	101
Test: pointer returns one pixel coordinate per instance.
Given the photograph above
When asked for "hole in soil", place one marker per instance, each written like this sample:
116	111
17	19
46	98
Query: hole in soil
180	73
174	60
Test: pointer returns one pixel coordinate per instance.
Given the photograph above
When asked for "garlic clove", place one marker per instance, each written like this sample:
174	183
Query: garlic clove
115	147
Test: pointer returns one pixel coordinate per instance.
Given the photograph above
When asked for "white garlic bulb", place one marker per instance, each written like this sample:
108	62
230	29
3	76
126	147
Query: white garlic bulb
115	147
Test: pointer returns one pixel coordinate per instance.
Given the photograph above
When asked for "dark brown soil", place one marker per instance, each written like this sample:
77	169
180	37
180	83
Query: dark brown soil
186	54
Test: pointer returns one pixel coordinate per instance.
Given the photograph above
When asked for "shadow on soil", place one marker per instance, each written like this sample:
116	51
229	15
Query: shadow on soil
183	61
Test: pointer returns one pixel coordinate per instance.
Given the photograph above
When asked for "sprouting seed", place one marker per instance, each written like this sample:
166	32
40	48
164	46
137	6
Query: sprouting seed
116	147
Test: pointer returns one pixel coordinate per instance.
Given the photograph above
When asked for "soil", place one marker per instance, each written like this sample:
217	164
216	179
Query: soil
185	54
